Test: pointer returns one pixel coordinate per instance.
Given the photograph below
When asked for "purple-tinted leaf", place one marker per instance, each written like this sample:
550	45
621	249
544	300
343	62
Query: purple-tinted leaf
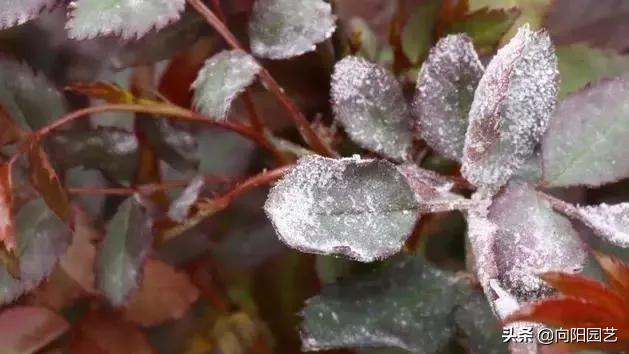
127	18
409	305
511	109
368	101
16	12
610	222
180	207
280	29
41	239
445	90
432	190
123	251
531	238
582	144
27	330
363	209
601	23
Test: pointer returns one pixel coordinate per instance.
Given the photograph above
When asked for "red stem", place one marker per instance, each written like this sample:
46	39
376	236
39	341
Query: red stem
306	131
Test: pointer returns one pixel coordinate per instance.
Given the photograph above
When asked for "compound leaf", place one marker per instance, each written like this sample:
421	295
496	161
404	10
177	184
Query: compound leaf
17	12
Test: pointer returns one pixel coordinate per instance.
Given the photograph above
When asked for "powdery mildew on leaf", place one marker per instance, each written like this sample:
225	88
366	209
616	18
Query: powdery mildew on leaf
583	144
180	207
445	90
363	209
368	101
610	222
433	190
17	12
531	238
41	239
222	78
123	251
408	304
127	18
281	29
511	109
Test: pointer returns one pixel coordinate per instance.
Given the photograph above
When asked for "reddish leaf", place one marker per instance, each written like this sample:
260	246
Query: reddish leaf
565	312
46	181
584	288
617	274
165	294
104	90
7	222
26	330
103	333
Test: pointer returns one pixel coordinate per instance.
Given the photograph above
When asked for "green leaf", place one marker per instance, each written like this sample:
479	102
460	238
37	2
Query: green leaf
41	239
173	143
123	251
583	144
363	209
29	98
418	33
580	64
113	151
28	329
486	27
511	109
445	90
369	102
281	29
16	12
222	78
407	304
477	321
127	18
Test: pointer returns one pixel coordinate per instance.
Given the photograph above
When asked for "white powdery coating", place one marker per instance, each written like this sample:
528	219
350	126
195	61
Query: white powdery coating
433	191
511	109
17	12
445	89
363	209
369	102
531	239
583	144
222	78
180	208
281	29
127	18
608	221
